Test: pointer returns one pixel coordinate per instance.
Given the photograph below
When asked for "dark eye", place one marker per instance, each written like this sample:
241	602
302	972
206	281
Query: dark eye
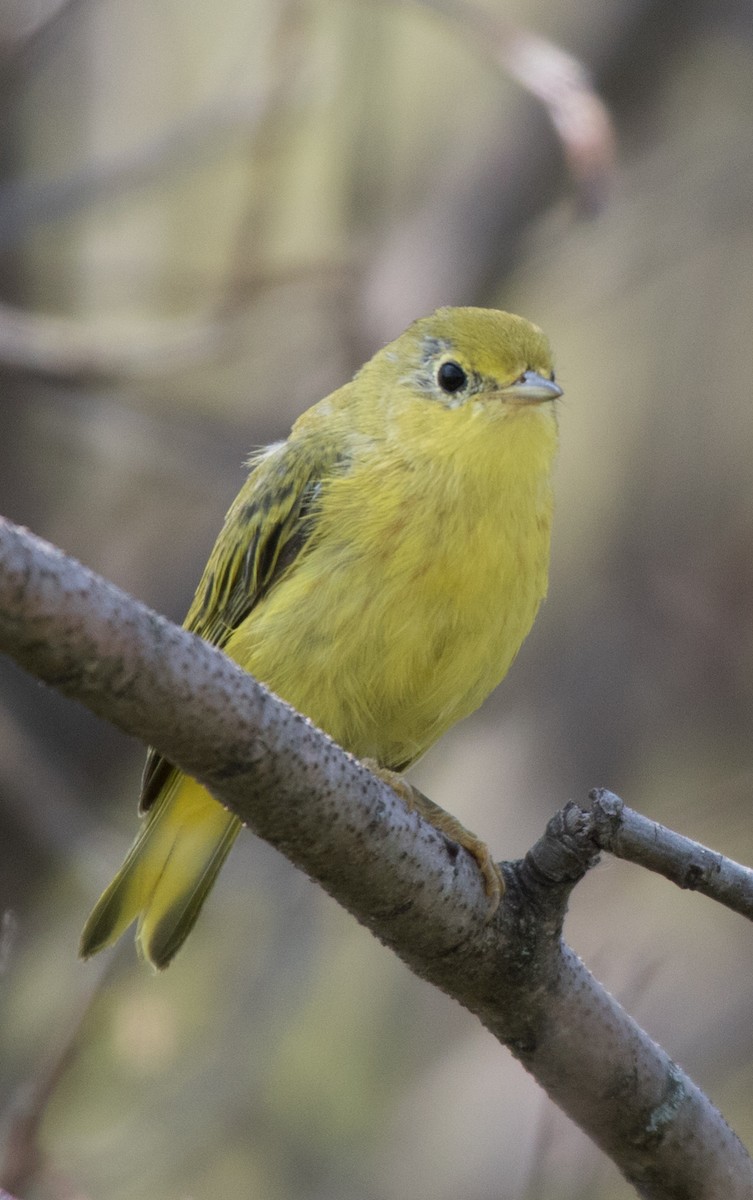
451	377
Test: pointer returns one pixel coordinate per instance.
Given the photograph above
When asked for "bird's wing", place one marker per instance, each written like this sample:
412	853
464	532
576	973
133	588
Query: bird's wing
268	526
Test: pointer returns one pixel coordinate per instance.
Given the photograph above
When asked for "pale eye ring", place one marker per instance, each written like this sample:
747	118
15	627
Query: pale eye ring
451	377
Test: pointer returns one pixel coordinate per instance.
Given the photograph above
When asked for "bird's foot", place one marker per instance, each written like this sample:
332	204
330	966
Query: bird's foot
494	883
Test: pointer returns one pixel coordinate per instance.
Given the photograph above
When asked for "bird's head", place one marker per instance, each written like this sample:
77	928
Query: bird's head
461	357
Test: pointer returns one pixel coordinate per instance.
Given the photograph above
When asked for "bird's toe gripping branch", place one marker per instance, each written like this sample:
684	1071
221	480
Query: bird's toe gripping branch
450	828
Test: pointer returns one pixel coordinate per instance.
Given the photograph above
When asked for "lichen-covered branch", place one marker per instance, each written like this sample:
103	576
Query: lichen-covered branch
397	874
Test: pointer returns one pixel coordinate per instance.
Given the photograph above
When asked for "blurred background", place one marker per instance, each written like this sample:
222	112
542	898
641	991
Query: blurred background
209	216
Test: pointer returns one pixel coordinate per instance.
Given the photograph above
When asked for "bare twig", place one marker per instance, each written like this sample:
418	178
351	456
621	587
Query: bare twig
577	112
558	81
24	1159
466	234
629	835
417	892
575	836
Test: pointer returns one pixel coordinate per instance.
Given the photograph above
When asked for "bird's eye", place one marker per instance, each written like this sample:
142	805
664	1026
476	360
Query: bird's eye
451	377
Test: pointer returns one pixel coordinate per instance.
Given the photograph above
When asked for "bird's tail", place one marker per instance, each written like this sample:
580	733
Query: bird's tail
167	874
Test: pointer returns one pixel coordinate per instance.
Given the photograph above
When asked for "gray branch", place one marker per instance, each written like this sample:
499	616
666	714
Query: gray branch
416	891
630	835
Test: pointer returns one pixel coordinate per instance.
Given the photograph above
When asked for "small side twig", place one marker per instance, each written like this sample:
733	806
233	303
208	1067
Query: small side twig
628	834
575	837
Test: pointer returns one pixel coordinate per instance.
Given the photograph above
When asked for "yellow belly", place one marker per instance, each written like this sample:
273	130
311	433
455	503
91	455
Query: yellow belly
394	625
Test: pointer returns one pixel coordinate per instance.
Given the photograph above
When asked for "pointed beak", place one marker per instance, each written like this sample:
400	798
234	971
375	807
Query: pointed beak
531	388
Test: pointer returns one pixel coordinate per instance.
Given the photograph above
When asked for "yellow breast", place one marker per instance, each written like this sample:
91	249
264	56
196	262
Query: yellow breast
421	583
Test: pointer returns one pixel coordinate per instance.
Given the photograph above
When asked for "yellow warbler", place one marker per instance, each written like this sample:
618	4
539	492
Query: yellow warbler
379	570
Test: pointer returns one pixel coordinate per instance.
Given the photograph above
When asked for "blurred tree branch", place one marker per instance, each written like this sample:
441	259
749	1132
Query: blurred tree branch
557	80
26	204
398	875
24	1161
478	219
52	344
68	347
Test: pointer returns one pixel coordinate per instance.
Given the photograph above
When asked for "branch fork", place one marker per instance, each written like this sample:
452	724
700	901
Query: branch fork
395	872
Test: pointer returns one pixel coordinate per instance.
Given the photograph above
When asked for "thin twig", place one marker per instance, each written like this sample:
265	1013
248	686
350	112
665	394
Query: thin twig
558	81
575	837
628	834
23	1160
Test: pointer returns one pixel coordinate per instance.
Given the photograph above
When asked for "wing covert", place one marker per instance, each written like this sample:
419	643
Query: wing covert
266	529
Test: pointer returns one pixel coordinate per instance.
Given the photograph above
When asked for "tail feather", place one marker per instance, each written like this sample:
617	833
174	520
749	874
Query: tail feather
171	915
166	875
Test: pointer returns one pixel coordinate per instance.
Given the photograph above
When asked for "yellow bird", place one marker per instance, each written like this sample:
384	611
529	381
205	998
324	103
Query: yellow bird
379	570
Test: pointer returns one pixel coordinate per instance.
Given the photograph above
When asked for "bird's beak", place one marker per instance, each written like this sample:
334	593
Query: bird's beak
531	388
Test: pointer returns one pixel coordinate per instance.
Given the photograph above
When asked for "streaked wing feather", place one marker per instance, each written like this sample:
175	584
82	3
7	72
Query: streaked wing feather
266	529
